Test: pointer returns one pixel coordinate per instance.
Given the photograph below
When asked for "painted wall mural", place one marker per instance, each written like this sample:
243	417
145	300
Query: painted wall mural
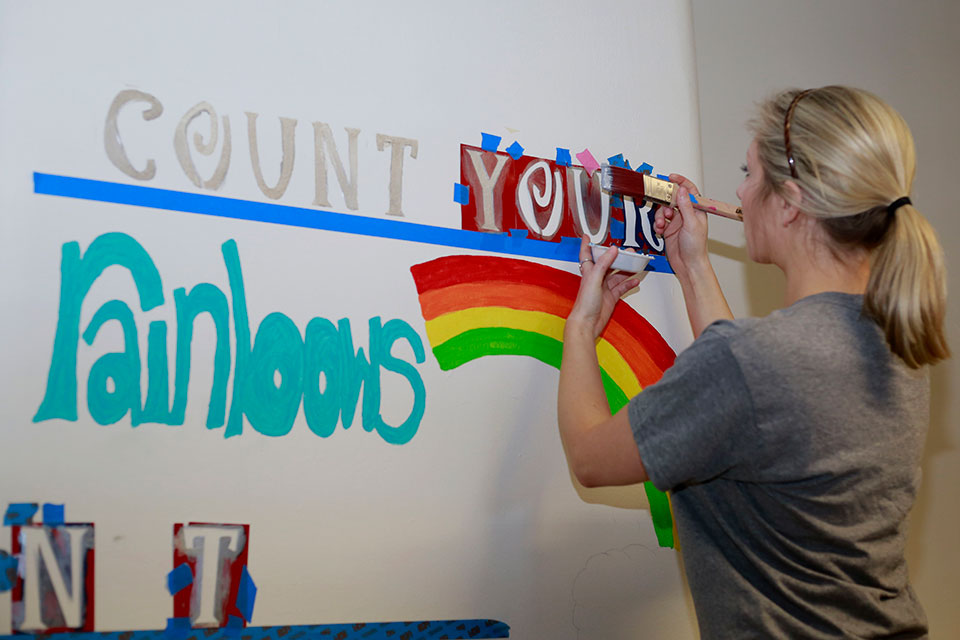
257	425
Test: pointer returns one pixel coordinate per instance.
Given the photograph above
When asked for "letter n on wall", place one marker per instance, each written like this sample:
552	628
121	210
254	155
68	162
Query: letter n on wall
54	585
216	555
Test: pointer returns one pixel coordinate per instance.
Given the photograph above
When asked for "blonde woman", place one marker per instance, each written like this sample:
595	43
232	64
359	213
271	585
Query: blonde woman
790	443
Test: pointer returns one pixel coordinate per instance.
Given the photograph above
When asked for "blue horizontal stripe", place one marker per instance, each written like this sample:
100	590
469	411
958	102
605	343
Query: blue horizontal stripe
203	204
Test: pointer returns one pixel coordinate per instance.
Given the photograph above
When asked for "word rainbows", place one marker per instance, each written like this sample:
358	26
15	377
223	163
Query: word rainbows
478	306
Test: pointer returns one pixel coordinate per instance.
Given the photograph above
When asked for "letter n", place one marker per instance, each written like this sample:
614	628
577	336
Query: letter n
54	587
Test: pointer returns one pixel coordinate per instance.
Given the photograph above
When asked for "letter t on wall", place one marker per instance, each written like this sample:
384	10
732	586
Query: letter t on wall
397	145
216	554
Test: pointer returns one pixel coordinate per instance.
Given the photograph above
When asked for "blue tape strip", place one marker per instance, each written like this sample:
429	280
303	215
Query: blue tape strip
618	230
8	571
53	514
461	193
693	199
20	513
180	578
515	150
616	161
663	177
416	630
645	168
616	201
177	628
563	157
204	204
246	595
489	142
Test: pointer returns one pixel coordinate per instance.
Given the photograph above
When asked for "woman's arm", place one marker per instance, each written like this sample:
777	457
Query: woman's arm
600	448
684	231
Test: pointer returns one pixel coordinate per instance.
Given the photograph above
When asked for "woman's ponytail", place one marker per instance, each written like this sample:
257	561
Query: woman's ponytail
907	290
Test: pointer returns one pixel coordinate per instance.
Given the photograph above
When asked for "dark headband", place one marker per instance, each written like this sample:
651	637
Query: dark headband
786	131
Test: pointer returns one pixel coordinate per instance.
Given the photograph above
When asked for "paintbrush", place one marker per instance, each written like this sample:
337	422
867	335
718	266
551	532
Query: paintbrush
646	187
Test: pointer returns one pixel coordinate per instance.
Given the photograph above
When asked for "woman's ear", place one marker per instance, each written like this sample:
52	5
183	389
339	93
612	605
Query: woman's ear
789	204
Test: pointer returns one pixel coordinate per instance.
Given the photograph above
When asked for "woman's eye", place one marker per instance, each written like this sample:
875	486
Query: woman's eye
743	168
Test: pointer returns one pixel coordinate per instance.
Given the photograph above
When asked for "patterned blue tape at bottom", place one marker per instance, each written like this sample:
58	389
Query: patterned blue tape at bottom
422	630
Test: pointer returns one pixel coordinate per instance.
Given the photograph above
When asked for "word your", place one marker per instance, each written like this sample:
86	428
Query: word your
323	143
319	367
550	200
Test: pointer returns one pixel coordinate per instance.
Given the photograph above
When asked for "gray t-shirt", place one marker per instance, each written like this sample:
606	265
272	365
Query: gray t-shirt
791	445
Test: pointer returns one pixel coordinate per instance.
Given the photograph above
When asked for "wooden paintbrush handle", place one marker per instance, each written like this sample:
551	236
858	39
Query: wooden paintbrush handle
719	208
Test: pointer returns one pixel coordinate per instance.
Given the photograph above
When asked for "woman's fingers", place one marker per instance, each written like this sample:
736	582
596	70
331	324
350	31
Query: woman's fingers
684	181
606	259
585	253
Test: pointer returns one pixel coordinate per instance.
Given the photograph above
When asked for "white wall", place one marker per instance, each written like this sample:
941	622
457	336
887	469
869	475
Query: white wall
909	54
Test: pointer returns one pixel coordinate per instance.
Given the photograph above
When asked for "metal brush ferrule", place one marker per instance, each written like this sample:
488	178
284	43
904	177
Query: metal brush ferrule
657	190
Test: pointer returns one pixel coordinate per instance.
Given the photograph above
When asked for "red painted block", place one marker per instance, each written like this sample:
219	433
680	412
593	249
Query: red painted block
216	554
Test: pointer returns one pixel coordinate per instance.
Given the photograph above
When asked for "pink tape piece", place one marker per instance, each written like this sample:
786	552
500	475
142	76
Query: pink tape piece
588	161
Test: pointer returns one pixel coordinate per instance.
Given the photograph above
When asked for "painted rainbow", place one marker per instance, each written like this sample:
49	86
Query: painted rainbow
476	306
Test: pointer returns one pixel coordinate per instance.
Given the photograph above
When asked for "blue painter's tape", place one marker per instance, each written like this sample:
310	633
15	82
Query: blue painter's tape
626	165
53	514
659	264
20	513
568	244
461	193
177	628
617	229
411	630
517	239
489	142
180	578
663	177
693	199
616	161
203	204
8	571
616	201
246	595
563	157
645	168
235	627
515	150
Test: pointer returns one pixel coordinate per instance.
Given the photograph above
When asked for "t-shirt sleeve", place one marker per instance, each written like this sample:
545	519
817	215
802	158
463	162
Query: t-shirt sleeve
697	421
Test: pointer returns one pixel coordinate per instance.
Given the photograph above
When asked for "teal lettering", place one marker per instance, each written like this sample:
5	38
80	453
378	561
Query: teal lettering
203	298
157	407
242	329
77	275
271	408
381	345
322	357
322	368
123	369
356	372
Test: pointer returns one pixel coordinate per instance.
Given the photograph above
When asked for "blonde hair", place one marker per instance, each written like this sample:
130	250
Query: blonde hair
854	156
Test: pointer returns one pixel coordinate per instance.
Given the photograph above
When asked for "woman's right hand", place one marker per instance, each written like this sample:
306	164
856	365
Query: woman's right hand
684	229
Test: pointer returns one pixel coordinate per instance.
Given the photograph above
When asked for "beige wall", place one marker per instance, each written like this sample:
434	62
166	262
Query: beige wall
909	54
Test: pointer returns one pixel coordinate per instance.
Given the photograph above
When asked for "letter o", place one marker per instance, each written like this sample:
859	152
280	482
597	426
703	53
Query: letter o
278	347
322	354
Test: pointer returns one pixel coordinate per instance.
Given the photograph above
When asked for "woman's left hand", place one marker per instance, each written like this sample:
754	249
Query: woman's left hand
600	290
